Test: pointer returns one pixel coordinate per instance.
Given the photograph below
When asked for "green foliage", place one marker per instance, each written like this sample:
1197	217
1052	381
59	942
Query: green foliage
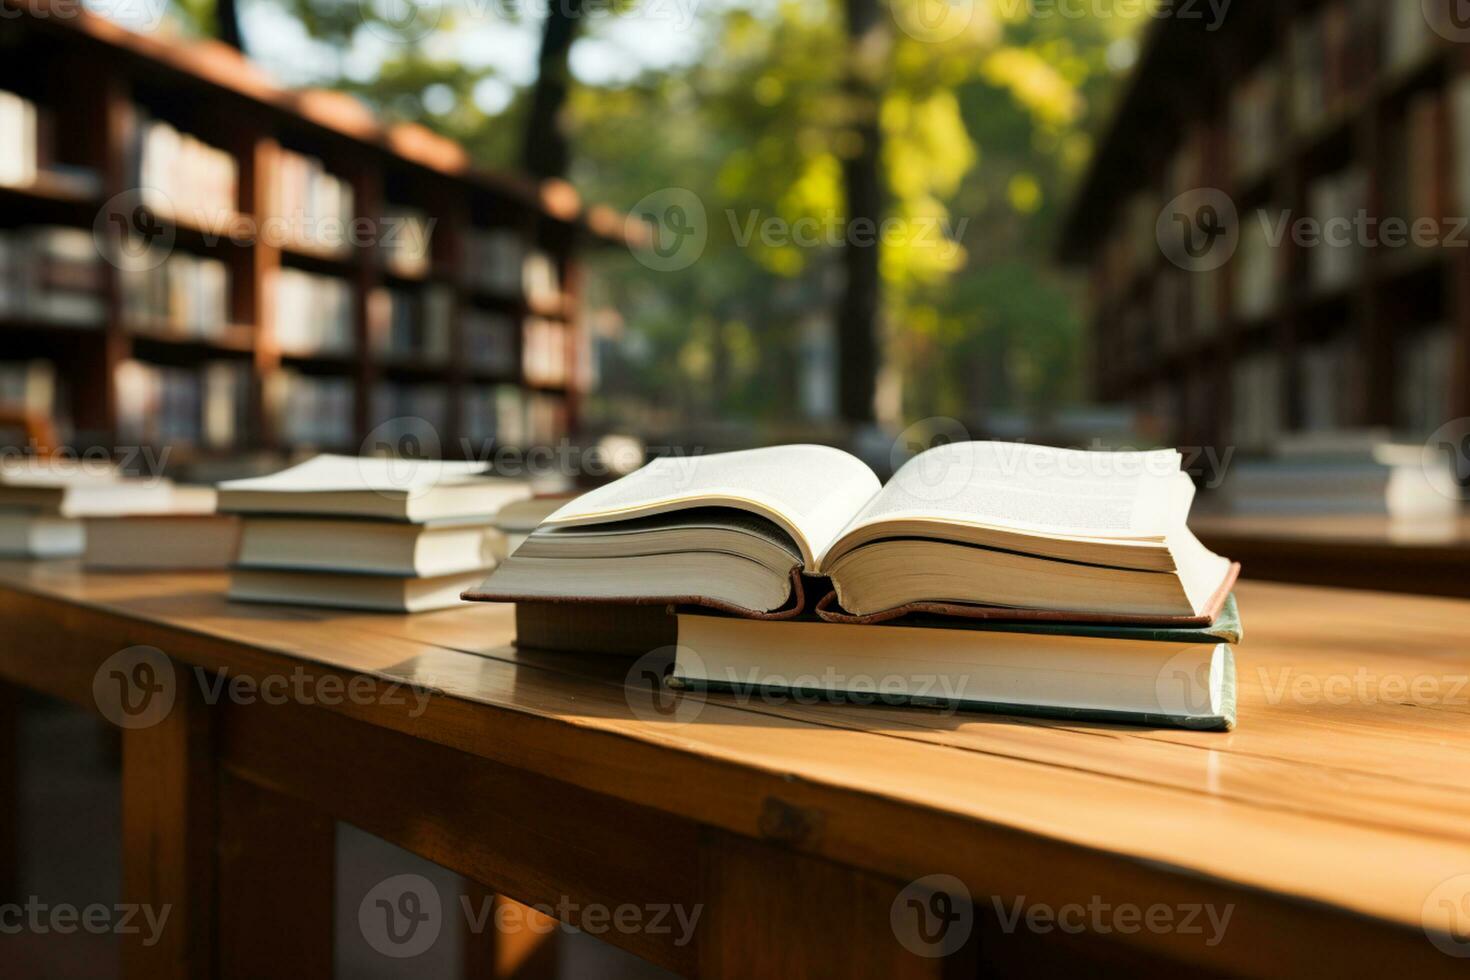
984	130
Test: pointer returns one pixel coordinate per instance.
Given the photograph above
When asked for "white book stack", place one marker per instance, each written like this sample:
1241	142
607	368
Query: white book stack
389	535
43	503
1343	472
179	532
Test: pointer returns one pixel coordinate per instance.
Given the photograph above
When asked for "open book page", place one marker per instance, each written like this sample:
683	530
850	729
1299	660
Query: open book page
1038	490
812	492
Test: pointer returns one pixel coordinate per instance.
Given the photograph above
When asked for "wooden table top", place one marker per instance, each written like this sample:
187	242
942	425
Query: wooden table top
1344	792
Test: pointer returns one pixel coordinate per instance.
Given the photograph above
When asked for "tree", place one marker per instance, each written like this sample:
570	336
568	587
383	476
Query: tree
861	148
545	152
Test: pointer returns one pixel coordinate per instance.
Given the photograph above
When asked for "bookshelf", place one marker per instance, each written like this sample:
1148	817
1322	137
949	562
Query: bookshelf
238	267
1320	109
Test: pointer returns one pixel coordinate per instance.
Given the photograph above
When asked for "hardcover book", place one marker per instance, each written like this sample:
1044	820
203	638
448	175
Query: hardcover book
962	530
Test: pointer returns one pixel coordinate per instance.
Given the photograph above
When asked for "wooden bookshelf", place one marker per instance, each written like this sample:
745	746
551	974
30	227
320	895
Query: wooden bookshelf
1181	101
96	80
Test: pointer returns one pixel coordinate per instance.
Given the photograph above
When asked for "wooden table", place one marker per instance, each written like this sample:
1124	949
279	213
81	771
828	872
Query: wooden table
1331	825
1348	551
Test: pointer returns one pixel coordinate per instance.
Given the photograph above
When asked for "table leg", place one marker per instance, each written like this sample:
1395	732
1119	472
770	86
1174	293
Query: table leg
277	867
168	839
526	949
775	912
9	793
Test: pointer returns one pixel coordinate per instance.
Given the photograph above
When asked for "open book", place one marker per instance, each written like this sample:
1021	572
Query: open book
961	529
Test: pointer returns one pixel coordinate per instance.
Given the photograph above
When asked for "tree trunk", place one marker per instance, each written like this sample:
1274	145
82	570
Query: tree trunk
859	303
545	152
227	24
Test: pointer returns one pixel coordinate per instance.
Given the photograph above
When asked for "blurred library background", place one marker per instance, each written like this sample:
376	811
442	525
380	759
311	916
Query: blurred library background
253	229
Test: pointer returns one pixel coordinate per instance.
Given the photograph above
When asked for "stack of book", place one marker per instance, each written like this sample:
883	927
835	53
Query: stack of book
988	576
43	504
366	533
1344	472
181	531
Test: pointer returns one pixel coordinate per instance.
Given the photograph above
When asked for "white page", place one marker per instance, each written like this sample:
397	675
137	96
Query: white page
328	473
1037	489
813	491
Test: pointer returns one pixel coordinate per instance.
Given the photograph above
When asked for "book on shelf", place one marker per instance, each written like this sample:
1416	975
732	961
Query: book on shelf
207	405
313	313
1457	108
52	274
547	352
967	529
490	342
1425	356
187	535
317	206
1336	201
1257	401
27	152
367	533
1183	677
1328	372
406	325
405	242
1410	32
311	410
1258	267
184	296
33	388
493	413
400	409
1255	122
493	261
182	177
540	282
19	140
